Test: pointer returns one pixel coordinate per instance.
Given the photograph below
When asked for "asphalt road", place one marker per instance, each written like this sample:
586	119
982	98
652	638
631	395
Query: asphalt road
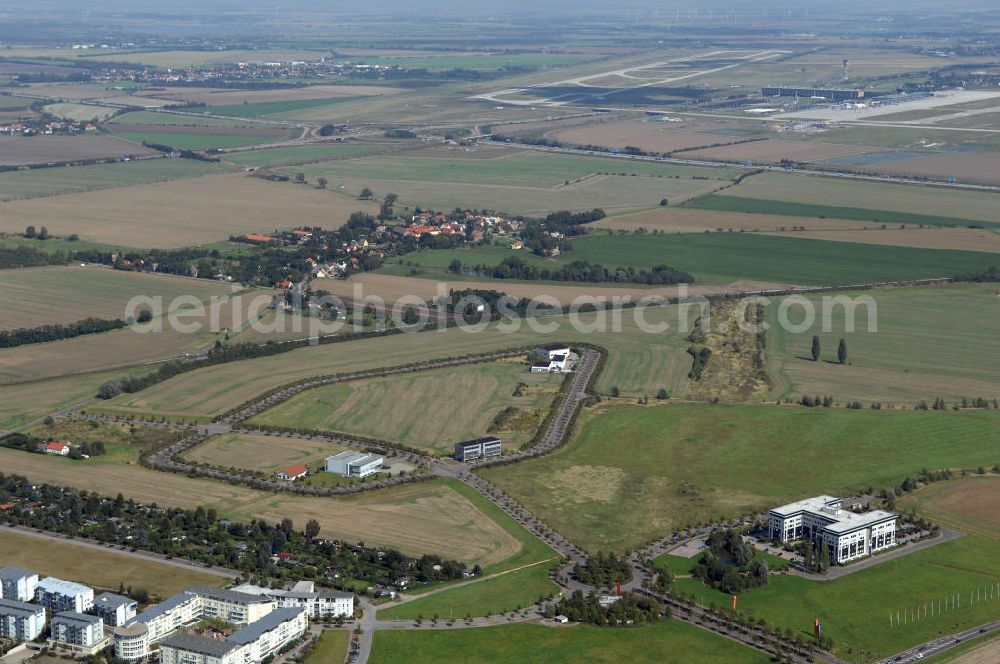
942	644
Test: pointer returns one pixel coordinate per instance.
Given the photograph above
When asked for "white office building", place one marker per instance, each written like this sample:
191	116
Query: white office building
230	606
20	621
354	464
195	603
17	584
322	604
58	595
847	535
169	615
78	629
480	448
131	642
114	609
250	645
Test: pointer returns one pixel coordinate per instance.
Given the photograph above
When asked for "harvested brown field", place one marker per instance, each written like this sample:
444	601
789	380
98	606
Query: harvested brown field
128	348
966	239
987	653
971	504
966	167
549	127
59	294
775	149
70	91
391	288
650	135
103	569
182	212
226	97
690	220
420	518
258	452
213	130
21	150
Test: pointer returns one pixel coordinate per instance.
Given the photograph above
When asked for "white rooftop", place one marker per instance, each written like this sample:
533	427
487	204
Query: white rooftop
354	457
839	520
818	504
53	585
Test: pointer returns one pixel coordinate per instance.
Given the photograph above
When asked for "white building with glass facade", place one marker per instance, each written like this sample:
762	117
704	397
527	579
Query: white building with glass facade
60	595
846	534
20	621
17	584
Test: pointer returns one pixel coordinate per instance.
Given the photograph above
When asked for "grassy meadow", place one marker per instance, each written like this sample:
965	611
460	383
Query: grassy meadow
927	342
331	648
668	641
635	473
432	410
500	594
855	609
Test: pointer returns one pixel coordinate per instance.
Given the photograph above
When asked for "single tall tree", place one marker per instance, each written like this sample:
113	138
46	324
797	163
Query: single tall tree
842	351
815	348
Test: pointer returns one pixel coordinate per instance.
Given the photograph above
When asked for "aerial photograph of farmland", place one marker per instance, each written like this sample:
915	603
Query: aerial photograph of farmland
463	332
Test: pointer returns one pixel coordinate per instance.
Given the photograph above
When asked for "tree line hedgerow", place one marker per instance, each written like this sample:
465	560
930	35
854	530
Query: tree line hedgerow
201	535
513	267
36	335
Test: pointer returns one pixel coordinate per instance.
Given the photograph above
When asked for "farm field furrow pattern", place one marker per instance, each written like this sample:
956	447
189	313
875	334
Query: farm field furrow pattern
464	402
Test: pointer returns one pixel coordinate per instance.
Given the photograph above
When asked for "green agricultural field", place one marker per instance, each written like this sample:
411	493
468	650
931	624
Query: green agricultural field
331	648
67	179
722	258
303	154
855	609
854	194
523	169
463	400
670	641
501	594
928	342
722	203
264	109
194	141
635	473
639	362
